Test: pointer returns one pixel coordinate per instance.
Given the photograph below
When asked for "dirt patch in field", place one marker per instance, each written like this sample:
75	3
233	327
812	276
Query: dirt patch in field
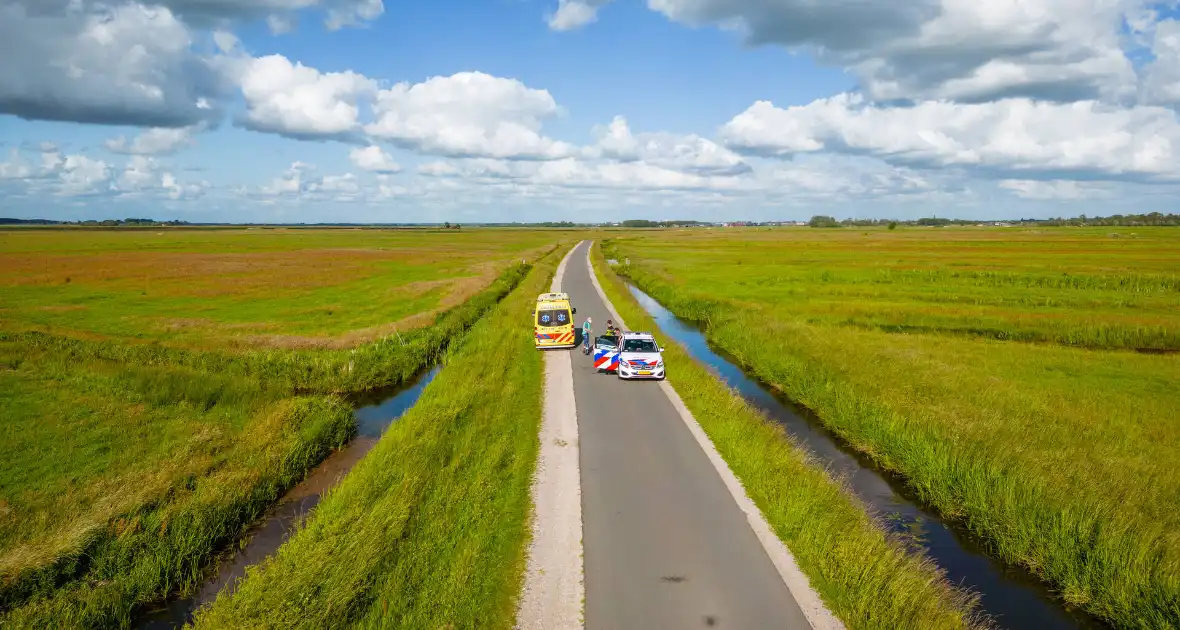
350	339
181	323
461	290
464	289
185	323
60	308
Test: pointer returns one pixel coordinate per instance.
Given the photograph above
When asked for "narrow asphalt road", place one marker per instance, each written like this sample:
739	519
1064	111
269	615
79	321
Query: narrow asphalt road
666	546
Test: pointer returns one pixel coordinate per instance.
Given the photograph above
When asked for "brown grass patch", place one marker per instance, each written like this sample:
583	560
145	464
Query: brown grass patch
350	339
181	323
60	308
185	323
196	274
463	289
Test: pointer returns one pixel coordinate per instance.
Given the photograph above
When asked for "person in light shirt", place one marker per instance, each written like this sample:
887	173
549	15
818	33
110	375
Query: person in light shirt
586	333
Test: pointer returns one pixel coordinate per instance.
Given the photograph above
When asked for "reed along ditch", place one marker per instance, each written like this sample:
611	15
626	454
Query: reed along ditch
1011	596
373	412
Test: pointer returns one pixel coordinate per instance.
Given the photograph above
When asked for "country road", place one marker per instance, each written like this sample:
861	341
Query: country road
665	543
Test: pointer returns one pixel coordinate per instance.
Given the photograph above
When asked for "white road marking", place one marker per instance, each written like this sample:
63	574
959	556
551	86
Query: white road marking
554	586
809	601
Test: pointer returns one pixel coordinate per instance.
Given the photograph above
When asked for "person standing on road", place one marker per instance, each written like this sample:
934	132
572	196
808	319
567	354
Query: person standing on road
586	336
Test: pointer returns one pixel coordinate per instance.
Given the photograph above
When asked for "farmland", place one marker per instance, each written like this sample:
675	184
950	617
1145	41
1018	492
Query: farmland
429	530
1023	382
138	448
282	288
162	388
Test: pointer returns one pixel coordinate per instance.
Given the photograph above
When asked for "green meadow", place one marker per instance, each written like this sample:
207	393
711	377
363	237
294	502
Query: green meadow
134	455
430	529
247	288
162	388
1023	382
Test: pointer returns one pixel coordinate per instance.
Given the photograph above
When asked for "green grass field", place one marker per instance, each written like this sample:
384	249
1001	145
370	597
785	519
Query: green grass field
430	529
867	579
243	288
132	460
995	369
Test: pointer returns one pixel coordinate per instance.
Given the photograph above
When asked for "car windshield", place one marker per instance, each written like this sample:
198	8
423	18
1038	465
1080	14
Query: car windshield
639	345
553	317
607	341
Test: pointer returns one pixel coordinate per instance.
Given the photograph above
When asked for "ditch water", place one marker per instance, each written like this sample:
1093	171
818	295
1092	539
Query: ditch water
374	412
1012	597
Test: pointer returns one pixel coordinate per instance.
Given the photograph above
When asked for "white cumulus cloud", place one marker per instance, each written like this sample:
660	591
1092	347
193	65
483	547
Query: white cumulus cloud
115	64
685	153
154	141
1161	77
1055	189
302	182
469	114
353	13
1061	50
1012	136
373	158
205	13
144	176
574	14
298	101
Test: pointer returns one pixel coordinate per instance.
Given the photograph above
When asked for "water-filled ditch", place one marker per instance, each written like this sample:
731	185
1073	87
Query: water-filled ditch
1010	595
374	412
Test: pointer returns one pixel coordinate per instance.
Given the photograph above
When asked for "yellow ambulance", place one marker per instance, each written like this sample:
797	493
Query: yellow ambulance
553	321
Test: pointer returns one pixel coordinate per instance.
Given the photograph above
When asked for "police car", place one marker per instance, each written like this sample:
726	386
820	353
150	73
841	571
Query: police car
640	357
606	353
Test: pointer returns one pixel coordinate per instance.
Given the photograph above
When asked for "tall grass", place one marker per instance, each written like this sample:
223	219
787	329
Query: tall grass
867	578
1058	458
135	463
429	530
162	545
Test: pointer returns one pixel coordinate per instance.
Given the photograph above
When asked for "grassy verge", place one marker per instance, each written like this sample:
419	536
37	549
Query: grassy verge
867	579
1058	457
430	529
131	465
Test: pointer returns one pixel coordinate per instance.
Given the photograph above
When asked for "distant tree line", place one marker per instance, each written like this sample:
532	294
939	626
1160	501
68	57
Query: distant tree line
103	223
817	221
1150	219
644	223
823	221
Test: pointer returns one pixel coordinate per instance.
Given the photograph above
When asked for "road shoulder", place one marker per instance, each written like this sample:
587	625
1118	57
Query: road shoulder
554	588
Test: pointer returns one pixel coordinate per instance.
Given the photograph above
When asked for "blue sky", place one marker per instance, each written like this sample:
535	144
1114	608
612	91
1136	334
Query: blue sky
355	110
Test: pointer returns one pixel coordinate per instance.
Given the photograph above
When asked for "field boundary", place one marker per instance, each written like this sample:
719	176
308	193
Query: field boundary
554	583
813	607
